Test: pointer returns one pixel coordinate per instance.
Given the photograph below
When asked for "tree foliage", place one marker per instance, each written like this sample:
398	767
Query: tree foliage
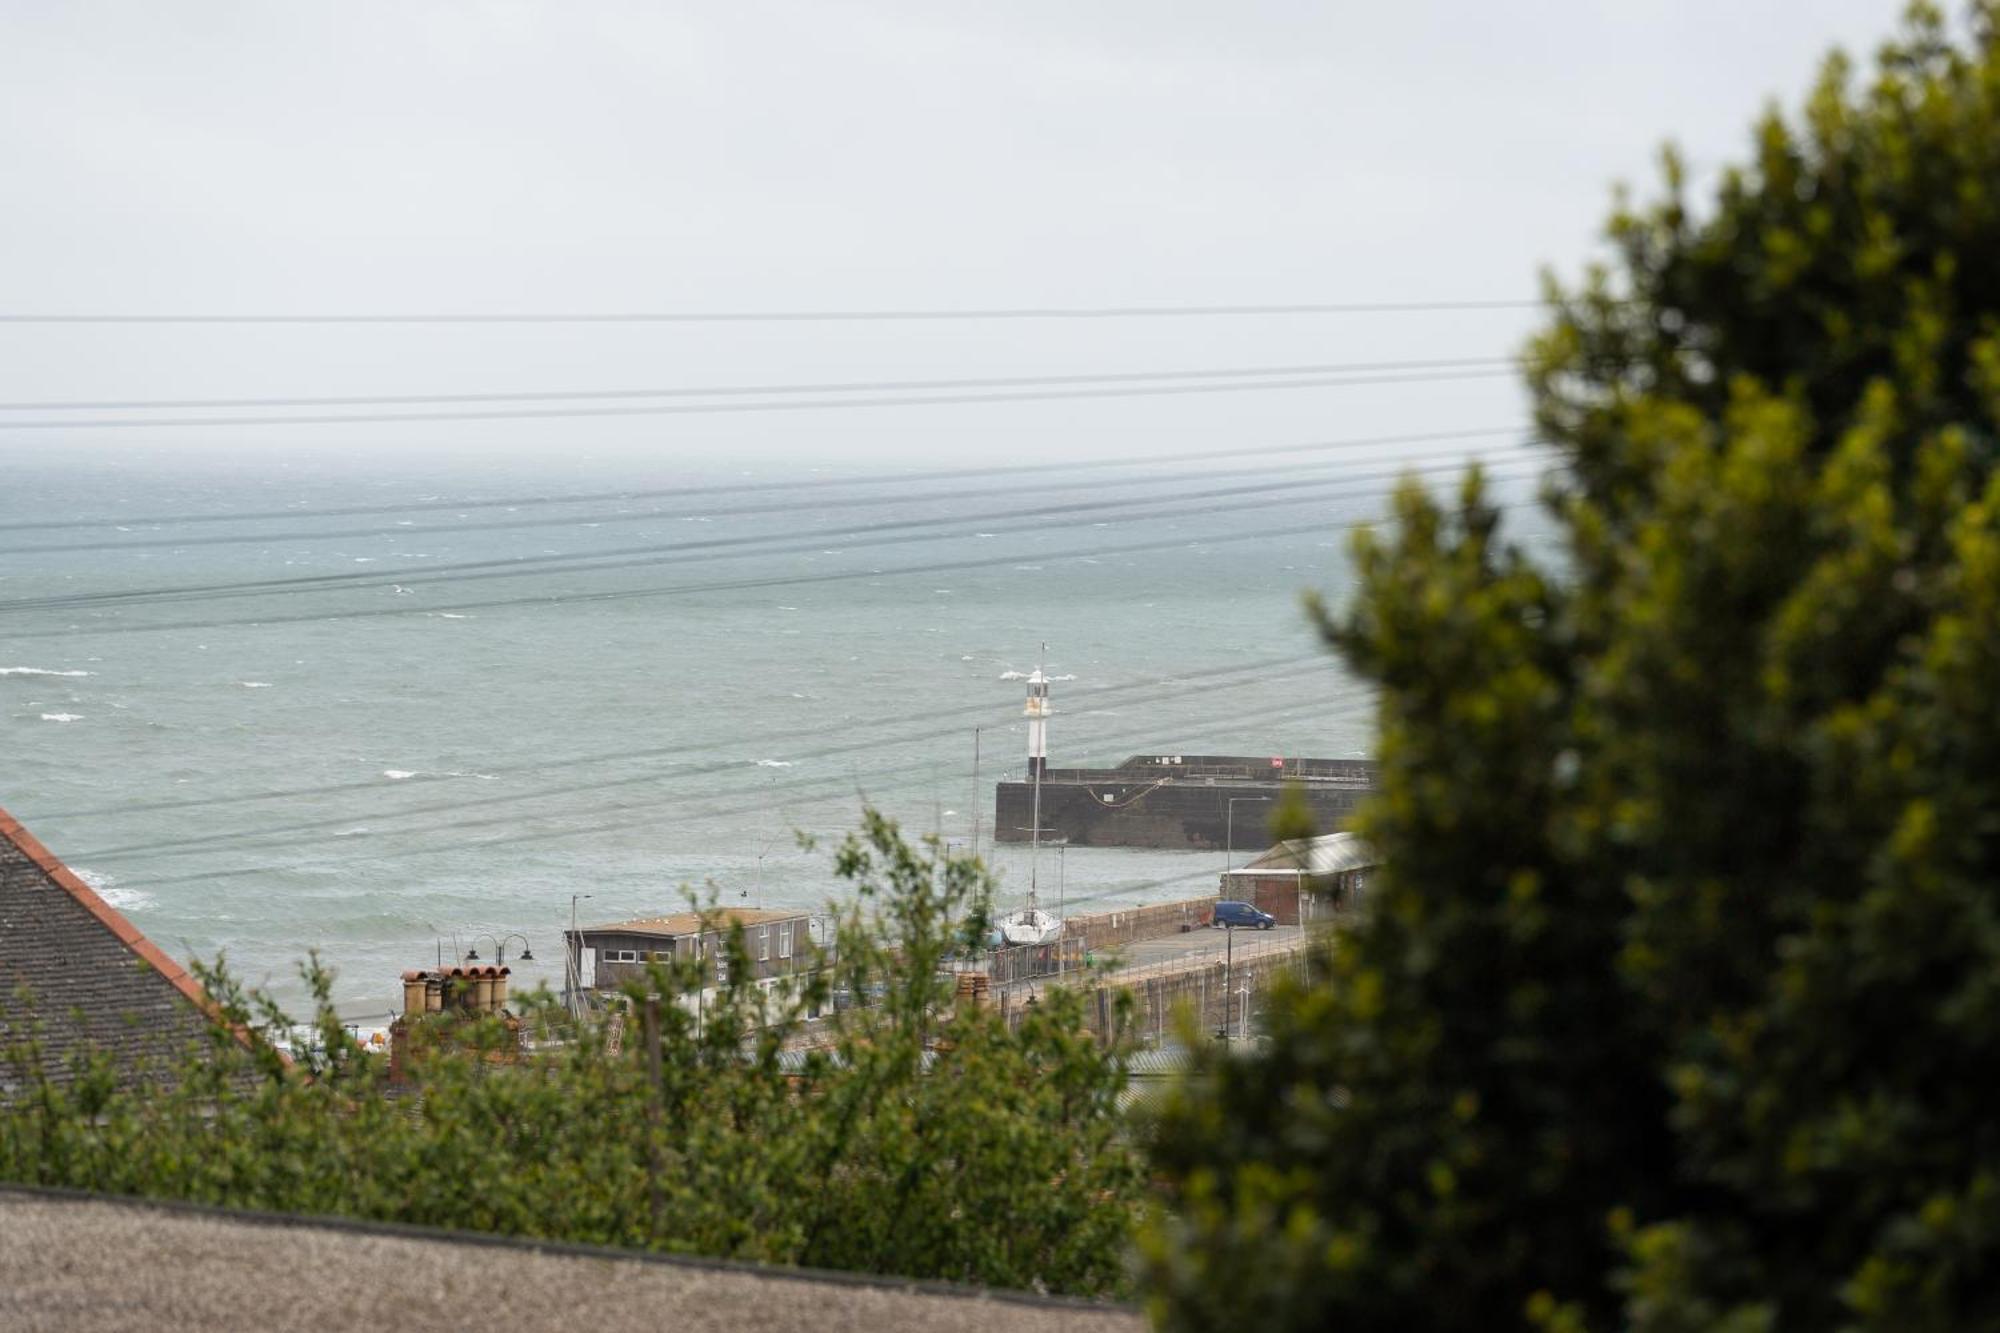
1671	1005
916	1137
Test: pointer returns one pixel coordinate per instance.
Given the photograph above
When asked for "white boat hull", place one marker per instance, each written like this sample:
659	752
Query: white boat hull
1032	926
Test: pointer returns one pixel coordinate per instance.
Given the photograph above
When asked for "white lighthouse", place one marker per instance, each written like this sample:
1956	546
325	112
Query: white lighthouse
1037	713
1031	925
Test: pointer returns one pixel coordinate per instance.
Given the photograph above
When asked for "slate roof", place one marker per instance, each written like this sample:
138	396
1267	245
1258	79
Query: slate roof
72	967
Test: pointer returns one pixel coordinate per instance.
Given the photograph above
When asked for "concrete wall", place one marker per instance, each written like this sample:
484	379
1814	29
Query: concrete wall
1103	930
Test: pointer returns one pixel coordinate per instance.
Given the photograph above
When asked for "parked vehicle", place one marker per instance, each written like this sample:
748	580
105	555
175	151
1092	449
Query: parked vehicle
1242	916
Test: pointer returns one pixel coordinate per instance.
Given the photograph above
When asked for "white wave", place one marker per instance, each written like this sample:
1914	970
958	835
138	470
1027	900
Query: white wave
42	671
62	717
452	615
398	774
106	887
463	773
255	684
352	832
1013	675
774	763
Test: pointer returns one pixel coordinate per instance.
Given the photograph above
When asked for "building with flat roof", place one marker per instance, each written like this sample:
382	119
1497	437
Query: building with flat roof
607	957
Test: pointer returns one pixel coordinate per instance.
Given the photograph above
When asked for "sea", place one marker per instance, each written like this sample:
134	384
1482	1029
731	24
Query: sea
392	710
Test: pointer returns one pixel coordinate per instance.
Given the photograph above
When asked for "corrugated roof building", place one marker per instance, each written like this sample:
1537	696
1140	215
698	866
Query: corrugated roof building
1304	877
77	976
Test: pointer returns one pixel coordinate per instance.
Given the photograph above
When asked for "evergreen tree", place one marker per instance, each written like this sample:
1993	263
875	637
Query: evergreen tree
1672	1003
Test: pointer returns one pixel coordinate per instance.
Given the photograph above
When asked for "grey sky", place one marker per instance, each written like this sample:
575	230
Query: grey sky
841	153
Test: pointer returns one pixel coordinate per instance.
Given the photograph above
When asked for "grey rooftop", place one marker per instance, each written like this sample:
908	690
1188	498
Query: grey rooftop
78	1262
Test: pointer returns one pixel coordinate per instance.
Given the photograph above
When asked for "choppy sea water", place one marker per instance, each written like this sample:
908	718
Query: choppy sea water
258	772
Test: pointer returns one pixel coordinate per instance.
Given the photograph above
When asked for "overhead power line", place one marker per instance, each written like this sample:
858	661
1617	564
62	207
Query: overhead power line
763	390
1205	501
408	531
861	316
288	835
785	405
795	484
1080	702
725	585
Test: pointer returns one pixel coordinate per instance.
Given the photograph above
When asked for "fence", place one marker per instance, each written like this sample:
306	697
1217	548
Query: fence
1219	987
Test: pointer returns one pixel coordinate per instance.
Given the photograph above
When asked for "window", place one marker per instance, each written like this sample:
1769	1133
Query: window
722	969
785	940
763	944
623	956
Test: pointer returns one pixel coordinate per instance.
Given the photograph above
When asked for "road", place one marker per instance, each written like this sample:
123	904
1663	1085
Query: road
1174	948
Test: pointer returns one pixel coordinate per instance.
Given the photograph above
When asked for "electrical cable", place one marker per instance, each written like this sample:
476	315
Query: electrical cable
759	390
855	316
684	589
286	833
959	475
709	409
407	530
1263	671
988	523
839	781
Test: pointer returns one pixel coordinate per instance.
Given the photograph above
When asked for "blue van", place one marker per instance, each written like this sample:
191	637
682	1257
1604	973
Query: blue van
1242	916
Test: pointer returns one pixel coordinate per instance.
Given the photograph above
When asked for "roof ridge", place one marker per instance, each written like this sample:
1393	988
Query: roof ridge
110	917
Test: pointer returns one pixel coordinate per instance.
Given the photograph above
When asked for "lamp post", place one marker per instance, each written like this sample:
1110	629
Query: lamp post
1228	976
573	960
1229	857
1062	901
472	954
527	950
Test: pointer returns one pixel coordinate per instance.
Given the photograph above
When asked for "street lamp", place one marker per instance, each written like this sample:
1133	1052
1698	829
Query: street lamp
472	954
1228	976
1229	857
573	958
527	950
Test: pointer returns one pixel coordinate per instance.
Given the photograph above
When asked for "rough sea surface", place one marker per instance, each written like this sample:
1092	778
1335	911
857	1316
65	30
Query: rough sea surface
388	768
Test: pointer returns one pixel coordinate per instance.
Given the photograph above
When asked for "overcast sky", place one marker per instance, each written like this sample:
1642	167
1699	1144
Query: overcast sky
306	158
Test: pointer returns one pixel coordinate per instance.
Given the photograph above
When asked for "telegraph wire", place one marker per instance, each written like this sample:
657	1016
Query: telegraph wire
760	507
1265	670
792	405
763	390
286	833
809	483
1207	500
850	316
721	585
837	785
